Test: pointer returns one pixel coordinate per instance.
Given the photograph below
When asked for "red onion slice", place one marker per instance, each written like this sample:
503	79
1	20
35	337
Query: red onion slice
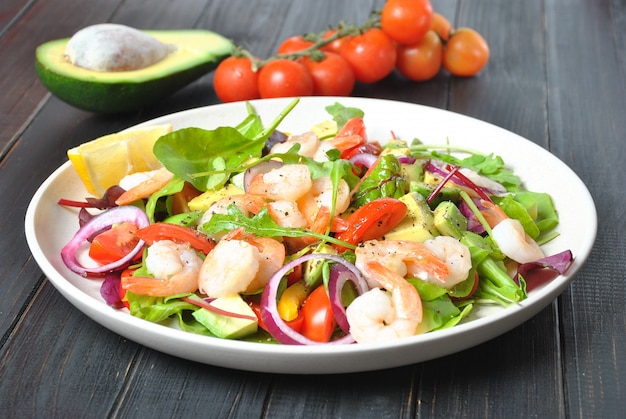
339	275
364	159
98	223
269	310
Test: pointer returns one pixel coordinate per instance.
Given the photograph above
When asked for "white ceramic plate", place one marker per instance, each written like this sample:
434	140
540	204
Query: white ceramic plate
49	227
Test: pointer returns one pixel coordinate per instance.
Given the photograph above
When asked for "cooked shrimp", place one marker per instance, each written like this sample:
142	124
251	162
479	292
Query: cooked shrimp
309	145
240	263
456	256
322	194
509	235
175	268
321	154
288	182
153	181
287	214
513	241
247	204
403	258
229	268
379	316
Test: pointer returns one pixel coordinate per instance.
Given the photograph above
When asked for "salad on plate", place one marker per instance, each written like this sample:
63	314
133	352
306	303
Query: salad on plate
324	237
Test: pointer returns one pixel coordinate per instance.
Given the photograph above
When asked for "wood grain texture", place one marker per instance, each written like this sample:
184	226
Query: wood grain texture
556	76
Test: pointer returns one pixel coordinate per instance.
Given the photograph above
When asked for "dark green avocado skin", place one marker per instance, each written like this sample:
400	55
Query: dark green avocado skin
123	96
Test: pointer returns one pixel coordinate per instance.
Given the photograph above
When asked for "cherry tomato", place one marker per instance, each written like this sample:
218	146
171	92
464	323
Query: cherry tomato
370	147
293	44
372	55
441	26
176	233
332	76
421	61
284	78
373	220
335	45
406	21
235	80
114	244
465	53
319	322
354	126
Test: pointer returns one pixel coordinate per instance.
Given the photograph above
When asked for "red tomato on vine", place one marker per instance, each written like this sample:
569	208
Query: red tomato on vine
406	21
293	44
372	55
284	78
422	61
235	80
332	76
465	53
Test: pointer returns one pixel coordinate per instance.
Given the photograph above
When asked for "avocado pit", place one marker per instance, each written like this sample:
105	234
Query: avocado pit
110	47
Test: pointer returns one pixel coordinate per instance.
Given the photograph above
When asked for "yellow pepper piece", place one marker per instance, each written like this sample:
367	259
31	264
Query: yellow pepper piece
290	301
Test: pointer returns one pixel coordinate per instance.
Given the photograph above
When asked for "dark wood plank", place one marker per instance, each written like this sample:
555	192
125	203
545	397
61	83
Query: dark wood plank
586	72
10	11
73	378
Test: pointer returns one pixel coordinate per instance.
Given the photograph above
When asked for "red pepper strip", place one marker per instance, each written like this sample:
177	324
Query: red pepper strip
373	220
176	233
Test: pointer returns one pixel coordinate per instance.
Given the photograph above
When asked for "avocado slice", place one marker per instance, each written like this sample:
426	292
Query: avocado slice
225	326
418	224
449	220
195	53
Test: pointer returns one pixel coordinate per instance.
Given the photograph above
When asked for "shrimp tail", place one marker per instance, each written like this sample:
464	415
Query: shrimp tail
154	287
406	299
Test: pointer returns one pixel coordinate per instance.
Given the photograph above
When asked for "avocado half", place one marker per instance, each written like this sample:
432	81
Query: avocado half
196	53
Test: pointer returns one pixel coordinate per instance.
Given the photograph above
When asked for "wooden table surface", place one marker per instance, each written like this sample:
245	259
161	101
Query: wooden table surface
556	76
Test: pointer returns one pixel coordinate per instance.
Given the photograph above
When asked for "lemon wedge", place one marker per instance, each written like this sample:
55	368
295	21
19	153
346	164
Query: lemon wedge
103	162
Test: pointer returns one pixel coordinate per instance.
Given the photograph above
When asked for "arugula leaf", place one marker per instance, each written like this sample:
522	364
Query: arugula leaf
189	151
173	186
206	158
492	167
342	114
260	225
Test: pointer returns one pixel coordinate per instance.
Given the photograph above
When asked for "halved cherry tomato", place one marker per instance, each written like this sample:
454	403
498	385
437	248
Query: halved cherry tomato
373	220
319	322
114	244
176	233
354	126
